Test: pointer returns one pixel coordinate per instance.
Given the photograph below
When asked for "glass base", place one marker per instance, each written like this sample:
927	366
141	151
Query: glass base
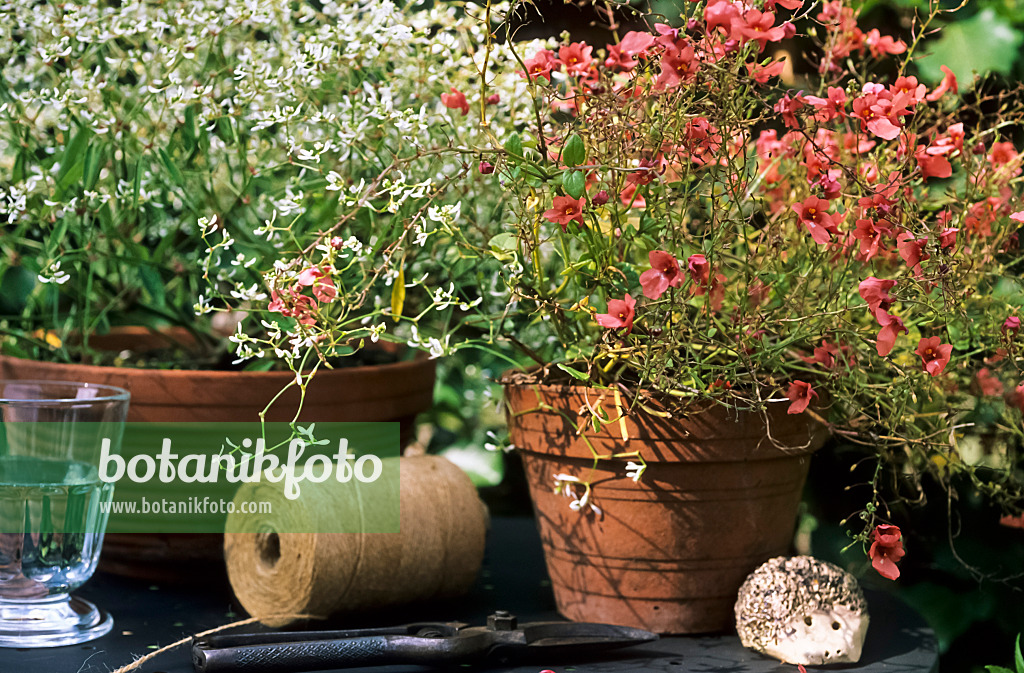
51	622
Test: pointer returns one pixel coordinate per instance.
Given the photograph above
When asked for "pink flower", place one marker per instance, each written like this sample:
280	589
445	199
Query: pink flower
813	212
663	274
540	65
455	100
1016	397
947	237
576	58
800	395
891	328
620	314
486	167
1011	325
948	83
323	286
875	292
564	210
886	551
883	44
912	250
934	354
825	355
699	268
987	382
787	107
757	26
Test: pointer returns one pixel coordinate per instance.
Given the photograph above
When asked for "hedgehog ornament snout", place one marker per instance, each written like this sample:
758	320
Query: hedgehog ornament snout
821	637
802	611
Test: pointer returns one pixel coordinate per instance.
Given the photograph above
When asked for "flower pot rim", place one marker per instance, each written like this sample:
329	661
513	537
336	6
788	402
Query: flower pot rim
507	380
416	363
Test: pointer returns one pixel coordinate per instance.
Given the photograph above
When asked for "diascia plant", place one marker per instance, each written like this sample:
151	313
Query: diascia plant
689	228
680	226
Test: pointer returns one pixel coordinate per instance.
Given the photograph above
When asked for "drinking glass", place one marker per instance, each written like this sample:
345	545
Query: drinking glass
53	506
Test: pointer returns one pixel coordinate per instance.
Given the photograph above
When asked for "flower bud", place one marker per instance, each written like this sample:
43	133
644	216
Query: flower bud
1012	325
486	167
600	198
493	99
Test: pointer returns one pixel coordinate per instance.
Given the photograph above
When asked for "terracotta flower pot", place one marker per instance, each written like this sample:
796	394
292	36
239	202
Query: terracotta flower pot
387	392
667	553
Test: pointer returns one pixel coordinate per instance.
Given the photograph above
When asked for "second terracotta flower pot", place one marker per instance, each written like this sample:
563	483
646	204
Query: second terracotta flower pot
666	553
394	392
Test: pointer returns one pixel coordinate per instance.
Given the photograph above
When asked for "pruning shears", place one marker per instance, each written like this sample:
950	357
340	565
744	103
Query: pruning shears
427	643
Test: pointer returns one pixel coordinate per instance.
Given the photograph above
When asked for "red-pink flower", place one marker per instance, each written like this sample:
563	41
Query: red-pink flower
1011	325
564	210
678	64
825	355
813	212
891	328
947	237
1015	398
987	382
762	73
934	354
787	107
912	250
576	58
800	395
886	551
663	274
870	233
540	65
699	268
948	83
620	314
883	44
758	26
875	292
932	163
323	287
829	108
455	100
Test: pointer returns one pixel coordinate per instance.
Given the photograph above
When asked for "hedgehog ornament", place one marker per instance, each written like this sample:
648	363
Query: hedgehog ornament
802	611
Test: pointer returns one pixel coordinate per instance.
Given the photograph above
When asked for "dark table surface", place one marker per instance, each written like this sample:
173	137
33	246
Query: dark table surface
148	616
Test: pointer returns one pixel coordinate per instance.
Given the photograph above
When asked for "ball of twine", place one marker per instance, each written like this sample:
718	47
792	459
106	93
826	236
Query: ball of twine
437	553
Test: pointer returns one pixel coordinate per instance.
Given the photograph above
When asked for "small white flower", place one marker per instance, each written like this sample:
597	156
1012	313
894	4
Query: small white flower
53	274
634	470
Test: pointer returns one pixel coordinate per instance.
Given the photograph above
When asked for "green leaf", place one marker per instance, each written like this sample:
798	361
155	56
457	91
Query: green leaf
997	669
574	183
1018	657
91	169
172	168
984	43
514	145
188	131
154	285
574	153
579	376
504	243
72	163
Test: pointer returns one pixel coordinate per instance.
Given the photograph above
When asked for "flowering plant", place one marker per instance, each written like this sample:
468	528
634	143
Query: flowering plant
682	227
156	159
679	226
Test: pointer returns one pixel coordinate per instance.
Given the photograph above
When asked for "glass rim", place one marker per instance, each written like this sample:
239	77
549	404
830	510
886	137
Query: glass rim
109	393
